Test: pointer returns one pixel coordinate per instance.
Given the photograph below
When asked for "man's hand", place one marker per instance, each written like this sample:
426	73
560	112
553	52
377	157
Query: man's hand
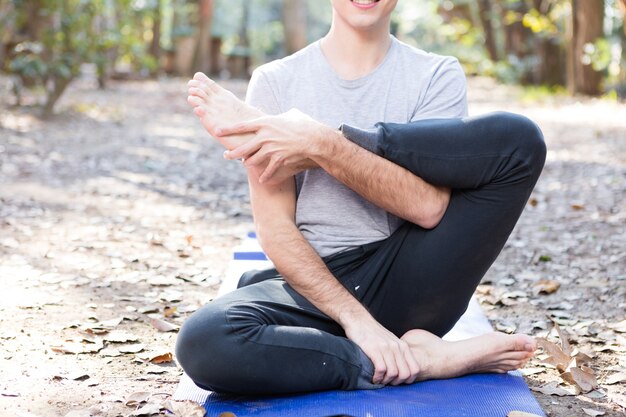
286	140
393	360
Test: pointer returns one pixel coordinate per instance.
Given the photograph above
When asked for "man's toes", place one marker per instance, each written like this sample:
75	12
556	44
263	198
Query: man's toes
199	111
200	76
194	101
198	92
524	343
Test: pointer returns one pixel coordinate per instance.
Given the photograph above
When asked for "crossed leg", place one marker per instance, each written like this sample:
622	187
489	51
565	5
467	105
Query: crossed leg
494	352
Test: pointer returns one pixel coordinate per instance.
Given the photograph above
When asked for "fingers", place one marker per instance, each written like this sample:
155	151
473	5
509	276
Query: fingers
257	159
272	167
408	374
380	369
244	151
398	366
391	360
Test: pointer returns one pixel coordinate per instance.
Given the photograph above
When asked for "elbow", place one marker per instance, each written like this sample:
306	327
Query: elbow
433	218
431	215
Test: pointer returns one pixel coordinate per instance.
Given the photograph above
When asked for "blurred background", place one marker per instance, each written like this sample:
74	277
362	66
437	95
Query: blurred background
121	208
573	46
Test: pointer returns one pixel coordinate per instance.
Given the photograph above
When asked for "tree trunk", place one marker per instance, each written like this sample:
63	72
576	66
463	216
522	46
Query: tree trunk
516	35
60	84
550	68
586	27
486	18
155	44
294	25
203	44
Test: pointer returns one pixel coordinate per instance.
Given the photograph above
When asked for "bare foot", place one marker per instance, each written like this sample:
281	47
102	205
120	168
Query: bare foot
217	107
491	352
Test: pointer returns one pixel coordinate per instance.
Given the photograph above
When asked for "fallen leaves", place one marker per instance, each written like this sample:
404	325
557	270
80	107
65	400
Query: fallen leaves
185	408
619	327
615	378
162	325
79	345
571	364
552	388
521	414
159	356
546	286
593	413
147	404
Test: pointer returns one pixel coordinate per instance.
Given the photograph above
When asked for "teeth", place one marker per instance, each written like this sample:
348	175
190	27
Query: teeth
364	2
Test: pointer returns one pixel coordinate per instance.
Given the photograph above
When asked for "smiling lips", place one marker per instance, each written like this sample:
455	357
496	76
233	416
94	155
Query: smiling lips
364	4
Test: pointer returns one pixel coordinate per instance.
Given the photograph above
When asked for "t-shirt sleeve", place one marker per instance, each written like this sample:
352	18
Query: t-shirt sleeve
446	96
261	95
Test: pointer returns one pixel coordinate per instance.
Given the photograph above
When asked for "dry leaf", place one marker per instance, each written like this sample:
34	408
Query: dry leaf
552	388
227	414
532	371
615	378
521	414
506	327
619	327
563	339
136	398
593	413
596	394
185	408
556	356
120	337
162	325
578	207
110	352
163	356
136	348
78	346
148	410
156	370
546	286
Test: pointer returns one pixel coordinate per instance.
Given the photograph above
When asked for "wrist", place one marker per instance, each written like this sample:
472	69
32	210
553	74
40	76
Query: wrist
325	143
352	315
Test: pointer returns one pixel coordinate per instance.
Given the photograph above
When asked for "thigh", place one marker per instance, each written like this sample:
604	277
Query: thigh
425	278
275	302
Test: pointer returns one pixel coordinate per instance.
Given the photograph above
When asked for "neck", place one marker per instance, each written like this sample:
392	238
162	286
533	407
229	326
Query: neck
355	53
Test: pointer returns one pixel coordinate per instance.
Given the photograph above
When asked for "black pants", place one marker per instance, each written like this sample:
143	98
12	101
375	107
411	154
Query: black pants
266	338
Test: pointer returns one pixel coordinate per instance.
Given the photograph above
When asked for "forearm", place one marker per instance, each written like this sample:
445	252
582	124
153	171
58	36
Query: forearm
383	183
299	264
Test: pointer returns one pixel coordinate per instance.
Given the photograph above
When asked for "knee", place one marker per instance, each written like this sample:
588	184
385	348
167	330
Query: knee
203	344
526	137
248	278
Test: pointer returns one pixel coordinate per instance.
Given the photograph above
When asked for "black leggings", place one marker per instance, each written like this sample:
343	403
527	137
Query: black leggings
266	338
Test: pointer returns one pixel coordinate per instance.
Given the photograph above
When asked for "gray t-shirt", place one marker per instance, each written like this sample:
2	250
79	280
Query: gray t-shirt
408	85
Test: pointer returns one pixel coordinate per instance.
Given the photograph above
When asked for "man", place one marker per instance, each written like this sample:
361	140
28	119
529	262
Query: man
376	257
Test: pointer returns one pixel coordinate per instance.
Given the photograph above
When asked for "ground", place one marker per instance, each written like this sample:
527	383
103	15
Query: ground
120	214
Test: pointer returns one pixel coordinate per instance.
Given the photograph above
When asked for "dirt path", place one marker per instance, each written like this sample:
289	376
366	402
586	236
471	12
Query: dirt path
122	210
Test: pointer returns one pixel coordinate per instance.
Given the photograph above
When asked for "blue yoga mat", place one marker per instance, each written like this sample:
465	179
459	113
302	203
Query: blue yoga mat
480	395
